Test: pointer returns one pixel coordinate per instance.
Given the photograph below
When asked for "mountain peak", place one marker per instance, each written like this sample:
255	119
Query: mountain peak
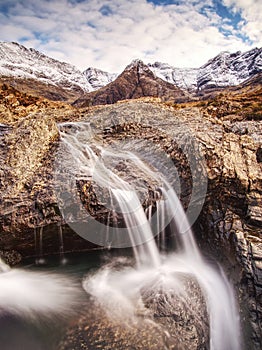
229	69
137	63
138	67
136	81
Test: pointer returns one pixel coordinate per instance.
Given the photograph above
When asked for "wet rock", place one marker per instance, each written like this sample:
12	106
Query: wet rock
10	257
230	222
156	326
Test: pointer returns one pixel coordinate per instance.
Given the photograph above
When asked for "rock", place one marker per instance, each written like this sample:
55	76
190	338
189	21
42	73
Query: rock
27	146
152	327
229	224
10	257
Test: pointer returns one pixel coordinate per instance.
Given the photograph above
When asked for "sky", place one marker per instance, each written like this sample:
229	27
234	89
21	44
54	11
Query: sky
109	34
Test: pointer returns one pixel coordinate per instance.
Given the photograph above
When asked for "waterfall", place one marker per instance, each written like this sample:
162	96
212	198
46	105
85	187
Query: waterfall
63	260
162	280
4	267
38	233
137	226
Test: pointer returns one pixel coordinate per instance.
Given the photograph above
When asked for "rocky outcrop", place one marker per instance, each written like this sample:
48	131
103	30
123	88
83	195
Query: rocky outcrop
231	218
10	257
230	222
15	105
136	81
183	326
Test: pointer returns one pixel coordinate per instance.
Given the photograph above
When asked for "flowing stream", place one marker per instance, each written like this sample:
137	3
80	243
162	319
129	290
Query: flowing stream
175	284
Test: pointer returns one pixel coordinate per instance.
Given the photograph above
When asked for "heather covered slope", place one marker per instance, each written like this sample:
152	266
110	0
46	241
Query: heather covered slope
15	105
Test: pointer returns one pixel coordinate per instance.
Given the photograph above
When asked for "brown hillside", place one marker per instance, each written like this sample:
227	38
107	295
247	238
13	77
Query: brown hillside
136	81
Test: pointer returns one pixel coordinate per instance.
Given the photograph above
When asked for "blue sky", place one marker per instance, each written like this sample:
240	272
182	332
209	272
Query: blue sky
108	34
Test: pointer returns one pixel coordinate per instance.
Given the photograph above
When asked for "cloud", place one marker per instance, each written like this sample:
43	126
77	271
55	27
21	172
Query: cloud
251	12
108	34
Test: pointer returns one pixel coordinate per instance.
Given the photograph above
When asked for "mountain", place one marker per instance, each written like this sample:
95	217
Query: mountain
226	69
253	81
229	69
184	78
51	78
98	78
136	81
30	71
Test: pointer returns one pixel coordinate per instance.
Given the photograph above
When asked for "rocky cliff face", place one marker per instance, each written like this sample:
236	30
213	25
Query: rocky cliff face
230	223
136	81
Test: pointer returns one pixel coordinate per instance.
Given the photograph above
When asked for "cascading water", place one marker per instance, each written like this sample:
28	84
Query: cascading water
178	285
38	233
63	260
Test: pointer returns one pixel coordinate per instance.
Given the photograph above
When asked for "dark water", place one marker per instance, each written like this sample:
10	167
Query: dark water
18	333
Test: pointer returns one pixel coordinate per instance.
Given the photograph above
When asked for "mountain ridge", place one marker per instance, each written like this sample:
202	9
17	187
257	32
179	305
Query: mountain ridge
17	62
32	71
225	69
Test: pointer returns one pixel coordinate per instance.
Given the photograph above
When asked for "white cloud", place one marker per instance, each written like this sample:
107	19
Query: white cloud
77	32
251	11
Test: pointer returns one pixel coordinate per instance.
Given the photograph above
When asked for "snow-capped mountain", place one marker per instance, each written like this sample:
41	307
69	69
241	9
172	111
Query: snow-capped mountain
98	78
184	78
137	80
62	81
226	69
229	69
20	62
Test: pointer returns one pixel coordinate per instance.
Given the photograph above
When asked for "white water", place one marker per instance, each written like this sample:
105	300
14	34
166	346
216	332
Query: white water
63	259
38	233
36	294
120	290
